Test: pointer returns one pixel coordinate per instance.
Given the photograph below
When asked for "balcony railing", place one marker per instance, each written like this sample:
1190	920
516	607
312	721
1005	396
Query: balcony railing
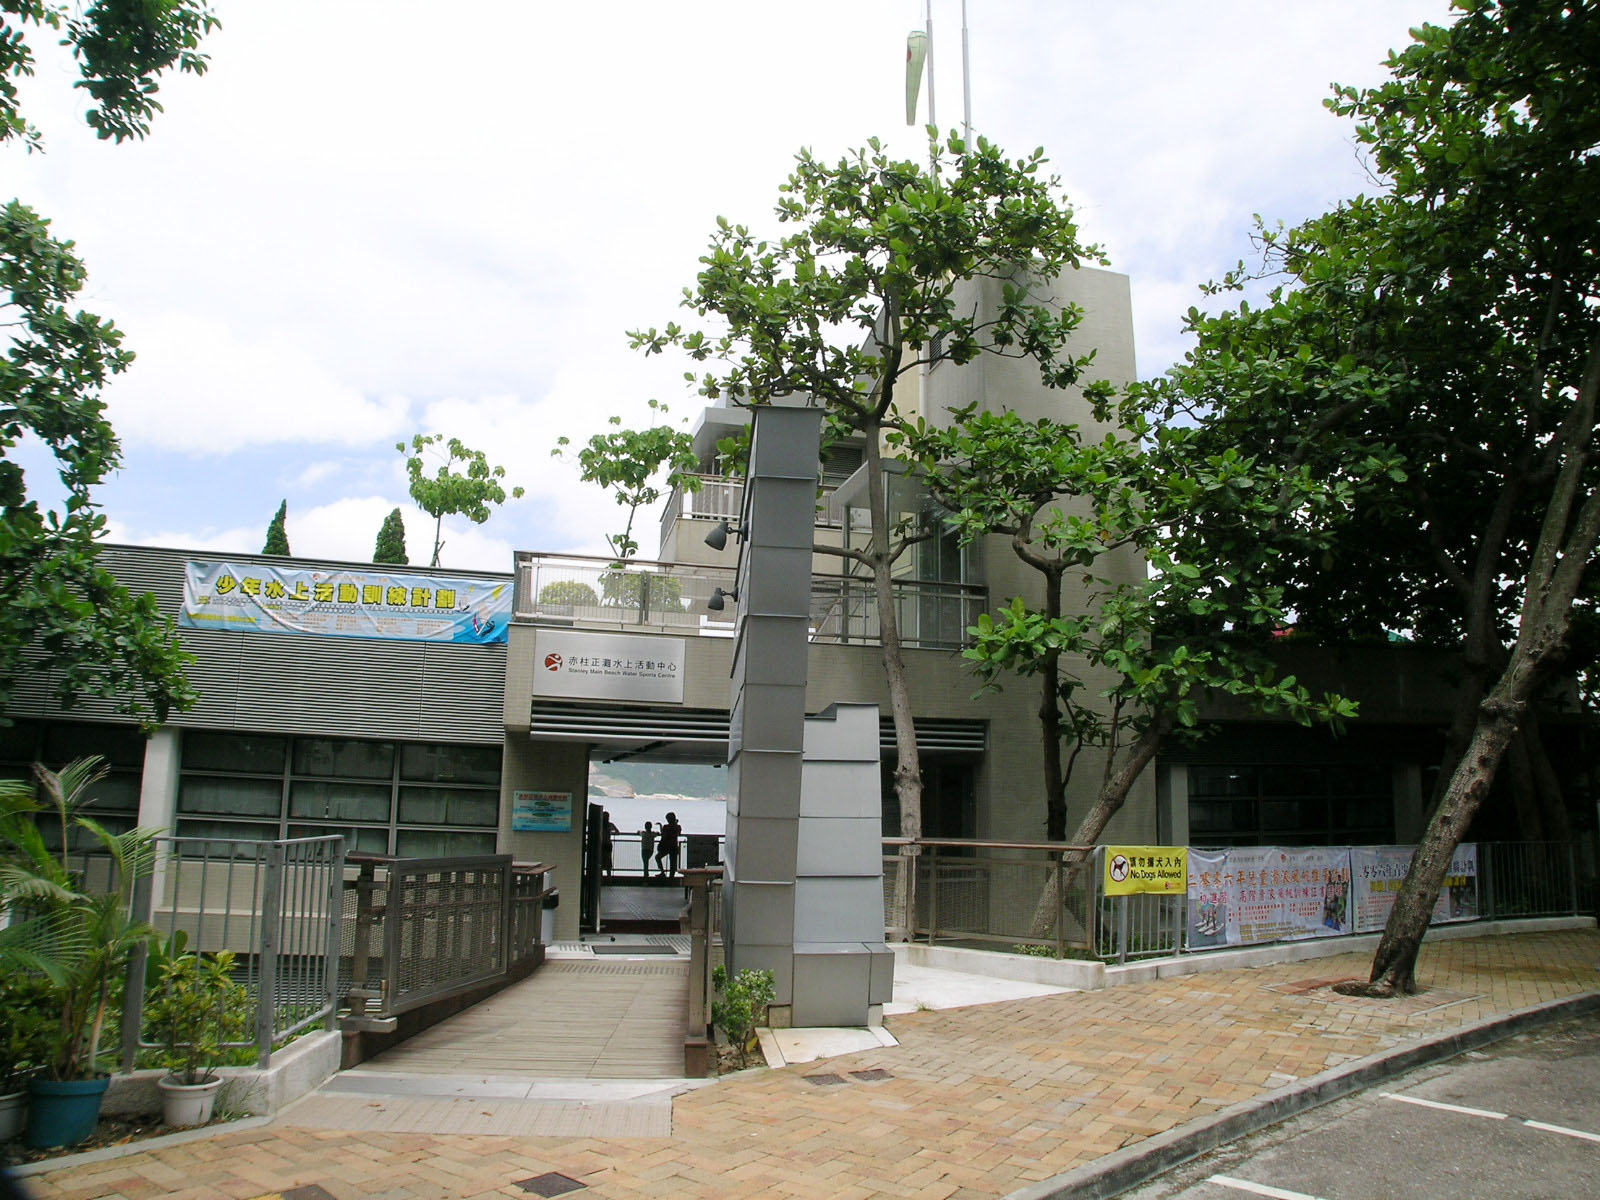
597	593
722	496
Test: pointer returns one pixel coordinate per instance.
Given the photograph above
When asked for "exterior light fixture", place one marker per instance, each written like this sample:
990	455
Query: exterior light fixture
718	596
717	538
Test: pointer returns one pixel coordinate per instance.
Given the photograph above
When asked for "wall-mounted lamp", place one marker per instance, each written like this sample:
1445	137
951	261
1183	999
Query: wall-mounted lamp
717	538
718	596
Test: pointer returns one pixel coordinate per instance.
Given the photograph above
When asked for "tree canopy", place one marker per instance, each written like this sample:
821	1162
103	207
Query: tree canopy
471	493
1452	320
55	597
391	543
858	294
277	533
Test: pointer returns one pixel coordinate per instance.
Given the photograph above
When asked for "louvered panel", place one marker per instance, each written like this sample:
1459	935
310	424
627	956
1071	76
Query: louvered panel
463	694
938	733
34	692
355	686
143	569
214	674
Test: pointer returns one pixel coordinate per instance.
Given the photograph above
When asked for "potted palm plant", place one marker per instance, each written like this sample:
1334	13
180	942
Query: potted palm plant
26	1025
76	934
197	1012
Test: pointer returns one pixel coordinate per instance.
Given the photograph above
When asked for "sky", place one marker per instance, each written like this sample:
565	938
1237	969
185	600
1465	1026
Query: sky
369	220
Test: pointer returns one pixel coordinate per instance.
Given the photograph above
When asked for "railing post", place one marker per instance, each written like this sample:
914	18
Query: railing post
1122	928
392	921
507	900
1486	876
1572	879
933	892
142	908
267	966
361	958
1061	905
644	597
333	896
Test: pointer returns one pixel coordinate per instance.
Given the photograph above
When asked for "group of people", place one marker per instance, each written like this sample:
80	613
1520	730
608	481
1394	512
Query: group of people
664	844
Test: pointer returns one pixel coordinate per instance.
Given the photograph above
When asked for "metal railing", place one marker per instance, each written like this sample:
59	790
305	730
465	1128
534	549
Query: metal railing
1047	898
626	866
704	885
721	497
275	904
598	593
421	930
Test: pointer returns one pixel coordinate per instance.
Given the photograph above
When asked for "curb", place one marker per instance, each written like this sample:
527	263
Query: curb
1113	1174
139	1146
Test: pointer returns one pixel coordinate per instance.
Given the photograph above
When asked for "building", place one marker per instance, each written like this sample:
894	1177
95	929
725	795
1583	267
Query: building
426	712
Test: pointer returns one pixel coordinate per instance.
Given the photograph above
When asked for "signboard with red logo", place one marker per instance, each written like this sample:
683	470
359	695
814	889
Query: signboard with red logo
608	666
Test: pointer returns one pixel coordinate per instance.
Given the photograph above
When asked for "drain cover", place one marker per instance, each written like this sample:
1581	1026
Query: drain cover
872	1076
550	1184
610	949
823	1080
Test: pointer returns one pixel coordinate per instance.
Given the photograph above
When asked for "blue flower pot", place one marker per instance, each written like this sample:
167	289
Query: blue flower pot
64	1112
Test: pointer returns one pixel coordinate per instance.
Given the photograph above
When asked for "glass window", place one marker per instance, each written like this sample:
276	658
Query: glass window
1222	781
450	764
340	801
343	759
243	752
19	742
358	839
243	831
437	843
448	806
119	747
232	797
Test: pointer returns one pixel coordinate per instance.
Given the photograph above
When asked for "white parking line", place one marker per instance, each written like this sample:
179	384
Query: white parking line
1259	1189
1577	1133
1455	1108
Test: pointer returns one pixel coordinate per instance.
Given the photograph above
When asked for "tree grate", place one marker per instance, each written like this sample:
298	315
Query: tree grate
551	1183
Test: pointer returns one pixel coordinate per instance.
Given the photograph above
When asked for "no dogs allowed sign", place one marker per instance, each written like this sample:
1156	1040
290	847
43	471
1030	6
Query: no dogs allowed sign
1133	869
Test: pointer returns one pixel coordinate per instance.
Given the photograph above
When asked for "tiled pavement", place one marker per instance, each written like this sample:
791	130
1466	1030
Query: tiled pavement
975	1102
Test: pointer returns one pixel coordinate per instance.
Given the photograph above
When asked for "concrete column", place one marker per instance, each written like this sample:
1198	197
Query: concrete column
158	784
1172	804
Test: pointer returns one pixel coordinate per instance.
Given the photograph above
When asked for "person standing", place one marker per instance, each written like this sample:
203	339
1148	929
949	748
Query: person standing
670	833
647	847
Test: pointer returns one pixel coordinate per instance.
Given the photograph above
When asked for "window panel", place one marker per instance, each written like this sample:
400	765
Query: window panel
243	831
448	806
118	746
1222	781
242	752
233	797
438	843
358	839
339	801
343	759
450	764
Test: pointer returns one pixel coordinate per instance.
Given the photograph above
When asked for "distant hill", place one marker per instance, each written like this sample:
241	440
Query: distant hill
673	779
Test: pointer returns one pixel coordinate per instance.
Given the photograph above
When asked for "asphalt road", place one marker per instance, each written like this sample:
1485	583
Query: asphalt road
1518	1120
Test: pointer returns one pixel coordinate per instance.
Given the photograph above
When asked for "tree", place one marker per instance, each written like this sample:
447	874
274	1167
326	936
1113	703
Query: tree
277	535
1453	318
857	296
55	597
391	546
630	463
447	490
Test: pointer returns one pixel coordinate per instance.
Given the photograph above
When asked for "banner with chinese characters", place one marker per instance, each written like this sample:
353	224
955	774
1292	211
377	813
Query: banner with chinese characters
1380	870
344	602
1134	869
1256	894
607	666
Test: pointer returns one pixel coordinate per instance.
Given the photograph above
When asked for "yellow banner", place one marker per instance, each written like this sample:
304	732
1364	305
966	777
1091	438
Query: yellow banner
1134	869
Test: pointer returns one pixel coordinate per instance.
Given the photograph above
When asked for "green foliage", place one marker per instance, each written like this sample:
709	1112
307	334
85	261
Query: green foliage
391	544
740	1006
647	590
122	47
198	1009
27	1026
630	462
277	535
570	592
77	937
468	493
865	283
54	595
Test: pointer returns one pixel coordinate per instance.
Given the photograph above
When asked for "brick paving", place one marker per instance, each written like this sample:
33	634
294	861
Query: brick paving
977	1103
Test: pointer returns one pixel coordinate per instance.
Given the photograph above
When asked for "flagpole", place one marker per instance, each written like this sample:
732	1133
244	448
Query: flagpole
966	80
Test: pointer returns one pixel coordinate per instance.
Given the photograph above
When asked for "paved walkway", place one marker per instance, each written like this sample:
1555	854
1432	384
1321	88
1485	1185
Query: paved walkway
974	1102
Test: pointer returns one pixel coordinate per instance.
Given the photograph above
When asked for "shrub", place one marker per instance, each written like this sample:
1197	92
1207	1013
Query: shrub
741	1006
568	591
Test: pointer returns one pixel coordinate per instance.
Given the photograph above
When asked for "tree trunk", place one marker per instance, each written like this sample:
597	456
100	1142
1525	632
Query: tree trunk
908	767
1111	799
1055	778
